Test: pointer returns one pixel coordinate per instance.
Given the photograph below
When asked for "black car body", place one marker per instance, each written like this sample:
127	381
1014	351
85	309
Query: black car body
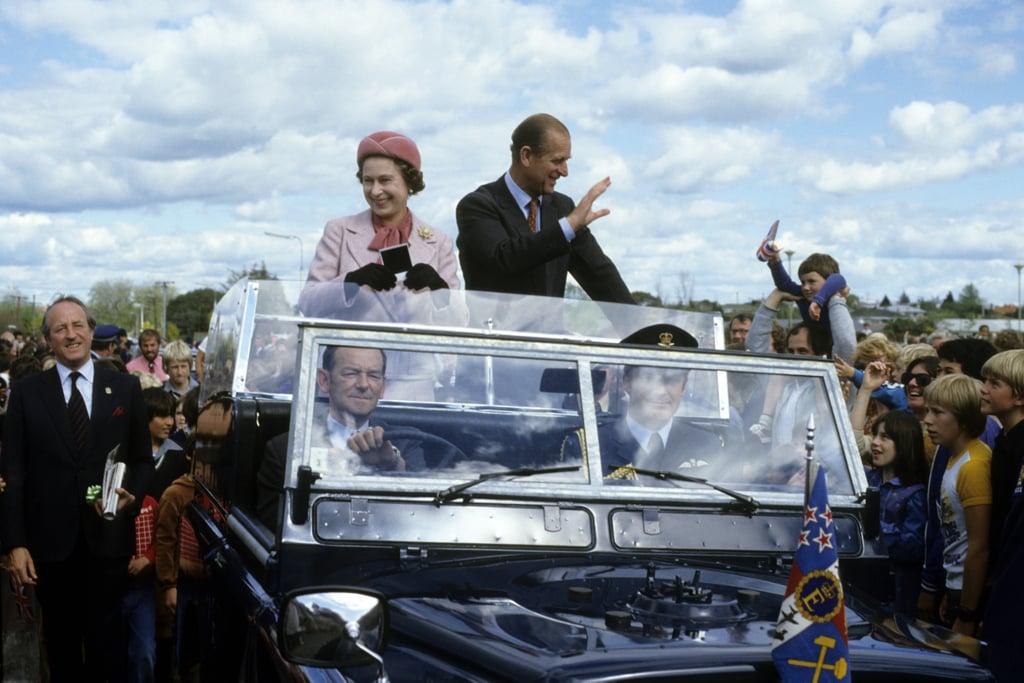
531	556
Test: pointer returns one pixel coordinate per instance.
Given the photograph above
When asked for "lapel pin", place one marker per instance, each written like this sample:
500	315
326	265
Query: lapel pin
106	390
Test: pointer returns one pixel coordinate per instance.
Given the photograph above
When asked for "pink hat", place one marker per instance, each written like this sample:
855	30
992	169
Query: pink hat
387	143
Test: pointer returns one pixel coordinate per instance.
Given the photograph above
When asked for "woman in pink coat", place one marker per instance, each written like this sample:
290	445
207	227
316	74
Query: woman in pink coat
347	278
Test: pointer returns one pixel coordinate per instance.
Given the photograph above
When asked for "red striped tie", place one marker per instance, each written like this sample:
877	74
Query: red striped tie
531	218
77	412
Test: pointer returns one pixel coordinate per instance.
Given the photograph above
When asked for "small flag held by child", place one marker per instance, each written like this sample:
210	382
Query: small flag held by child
768	249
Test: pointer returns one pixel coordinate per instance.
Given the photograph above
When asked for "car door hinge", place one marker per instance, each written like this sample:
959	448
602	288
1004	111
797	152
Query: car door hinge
360	512
412	557
552	518
652	521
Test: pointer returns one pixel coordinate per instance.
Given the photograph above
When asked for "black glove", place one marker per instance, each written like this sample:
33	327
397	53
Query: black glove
423	275
372	275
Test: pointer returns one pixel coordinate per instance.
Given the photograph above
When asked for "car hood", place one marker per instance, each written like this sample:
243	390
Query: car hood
559	621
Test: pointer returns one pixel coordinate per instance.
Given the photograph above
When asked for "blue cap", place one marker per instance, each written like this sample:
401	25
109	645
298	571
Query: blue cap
105	333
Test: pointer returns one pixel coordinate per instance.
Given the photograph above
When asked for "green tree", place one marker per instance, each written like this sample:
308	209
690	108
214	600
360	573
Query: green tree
969	303
897	327
19	312
575	292
255	272
111	302
904	299
885	302
646	298
151	299
190	312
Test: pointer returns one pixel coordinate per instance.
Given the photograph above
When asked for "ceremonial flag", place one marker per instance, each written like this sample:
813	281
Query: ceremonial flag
810	636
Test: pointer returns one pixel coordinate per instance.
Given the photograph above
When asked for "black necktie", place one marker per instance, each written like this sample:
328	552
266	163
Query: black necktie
531	217
77	412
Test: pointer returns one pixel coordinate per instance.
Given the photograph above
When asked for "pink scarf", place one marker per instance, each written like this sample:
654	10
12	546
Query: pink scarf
391	235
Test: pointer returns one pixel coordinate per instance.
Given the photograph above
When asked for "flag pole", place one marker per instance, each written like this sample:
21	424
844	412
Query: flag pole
808	459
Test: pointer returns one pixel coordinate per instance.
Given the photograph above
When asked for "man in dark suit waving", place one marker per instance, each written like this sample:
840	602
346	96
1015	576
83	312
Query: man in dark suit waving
517	235
61	426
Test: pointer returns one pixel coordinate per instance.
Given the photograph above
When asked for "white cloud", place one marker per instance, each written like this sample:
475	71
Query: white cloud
695	158
201	124
952	125
898	32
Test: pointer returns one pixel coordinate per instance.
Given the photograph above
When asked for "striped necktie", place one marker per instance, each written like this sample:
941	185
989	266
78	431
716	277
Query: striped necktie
531	217
77	412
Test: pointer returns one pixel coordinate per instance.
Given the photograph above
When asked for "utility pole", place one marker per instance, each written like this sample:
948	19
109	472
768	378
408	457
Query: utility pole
1018	266
17	308
163	329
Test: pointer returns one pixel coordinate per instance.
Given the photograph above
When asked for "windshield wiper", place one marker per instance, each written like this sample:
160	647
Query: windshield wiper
445	495
747	501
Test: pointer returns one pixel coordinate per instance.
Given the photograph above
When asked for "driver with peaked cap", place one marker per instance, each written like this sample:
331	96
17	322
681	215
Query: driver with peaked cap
650	436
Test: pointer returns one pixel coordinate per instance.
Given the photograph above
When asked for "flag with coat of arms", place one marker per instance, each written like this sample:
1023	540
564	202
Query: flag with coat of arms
810	636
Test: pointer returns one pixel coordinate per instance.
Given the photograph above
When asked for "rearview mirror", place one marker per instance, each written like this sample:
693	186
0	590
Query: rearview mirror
333	628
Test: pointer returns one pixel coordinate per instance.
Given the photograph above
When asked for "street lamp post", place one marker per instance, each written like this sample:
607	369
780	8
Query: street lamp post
138	328
1018	266
163	317
298	239
789	268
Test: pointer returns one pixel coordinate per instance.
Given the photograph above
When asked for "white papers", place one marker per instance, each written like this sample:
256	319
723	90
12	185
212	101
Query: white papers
113	476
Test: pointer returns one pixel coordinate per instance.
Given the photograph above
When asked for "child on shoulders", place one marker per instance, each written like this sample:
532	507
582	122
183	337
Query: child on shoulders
820	280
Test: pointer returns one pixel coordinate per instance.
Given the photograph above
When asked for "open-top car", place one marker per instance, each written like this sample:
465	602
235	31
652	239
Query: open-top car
513	529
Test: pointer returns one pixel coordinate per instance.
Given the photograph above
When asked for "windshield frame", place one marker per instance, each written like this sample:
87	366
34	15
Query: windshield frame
314	335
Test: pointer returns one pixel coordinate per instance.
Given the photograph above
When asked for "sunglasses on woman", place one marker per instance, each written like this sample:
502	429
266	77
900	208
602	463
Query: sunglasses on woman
923	379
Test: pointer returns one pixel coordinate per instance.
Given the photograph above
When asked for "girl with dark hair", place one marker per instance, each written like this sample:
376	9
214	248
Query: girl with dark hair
899	473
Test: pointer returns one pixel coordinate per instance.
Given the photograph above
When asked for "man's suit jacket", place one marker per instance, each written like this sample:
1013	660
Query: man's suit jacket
498	252
44	506
686	444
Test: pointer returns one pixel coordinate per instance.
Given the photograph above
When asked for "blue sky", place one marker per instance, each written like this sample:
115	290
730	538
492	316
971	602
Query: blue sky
160	140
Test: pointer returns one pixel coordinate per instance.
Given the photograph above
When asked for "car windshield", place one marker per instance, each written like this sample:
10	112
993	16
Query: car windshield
474	385
507	412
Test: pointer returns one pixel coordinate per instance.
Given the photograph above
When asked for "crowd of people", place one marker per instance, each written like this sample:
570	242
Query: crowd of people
938	424
104	614
940	429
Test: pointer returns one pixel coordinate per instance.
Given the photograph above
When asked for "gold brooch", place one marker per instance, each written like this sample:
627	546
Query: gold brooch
424	232
665	339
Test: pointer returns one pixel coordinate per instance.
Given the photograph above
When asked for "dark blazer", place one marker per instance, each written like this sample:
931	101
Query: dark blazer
686	443
44	506
499	254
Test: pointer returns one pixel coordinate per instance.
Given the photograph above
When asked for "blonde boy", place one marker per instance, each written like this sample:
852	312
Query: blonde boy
1002	395
953	419
178	366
